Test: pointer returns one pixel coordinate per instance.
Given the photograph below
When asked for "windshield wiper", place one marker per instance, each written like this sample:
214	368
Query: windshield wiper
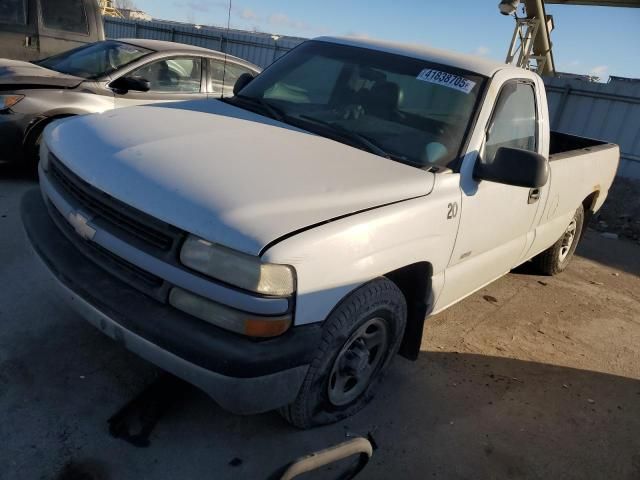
272	111
361	139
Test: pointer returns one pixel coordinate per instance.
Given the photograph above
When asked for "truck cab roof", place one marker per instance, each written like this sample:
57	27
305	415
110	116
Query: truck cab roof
472	63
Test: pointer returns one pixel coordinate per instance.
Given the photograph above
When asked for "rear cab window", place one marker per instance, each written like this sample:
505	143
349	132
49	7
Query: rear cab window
65	15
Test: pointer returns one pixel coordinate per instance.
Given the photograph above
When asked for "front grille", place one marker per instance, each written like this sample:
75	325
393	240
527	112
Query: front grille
136	277
148	278
115	213
132	226
104	257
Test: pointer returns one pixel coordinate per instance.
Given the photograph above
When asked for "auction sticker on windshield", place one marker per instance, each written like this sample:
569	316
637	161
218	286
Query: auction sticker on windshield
446	80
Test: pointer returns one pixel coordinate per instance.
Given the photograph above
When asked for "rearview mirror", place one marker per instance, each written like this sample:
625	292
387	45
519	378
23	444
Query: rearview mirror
242	81
514	166
123	84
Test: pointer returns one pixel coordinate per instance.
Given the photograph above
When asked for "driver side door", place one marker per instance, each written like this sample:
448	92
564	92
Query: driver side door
497	220
171	79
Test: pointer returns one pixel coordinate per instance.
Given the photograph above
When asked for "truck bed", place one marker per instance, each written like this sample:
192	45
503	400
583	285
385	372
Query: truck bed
561	143
580	166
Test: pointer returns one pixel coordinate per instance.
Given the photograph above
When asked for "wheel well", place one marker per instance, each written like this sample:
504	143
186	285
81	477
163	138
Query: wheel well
589	202
588	206
38	125
415	283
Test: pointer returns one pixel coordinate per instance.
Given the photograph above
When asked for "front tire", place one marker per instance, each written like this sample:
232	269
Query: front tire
359	340
556	258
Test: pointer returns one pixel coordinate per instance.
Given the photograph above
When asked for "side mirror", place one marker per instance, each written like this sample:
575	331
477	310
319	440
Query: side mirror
123	84
514	166
242	81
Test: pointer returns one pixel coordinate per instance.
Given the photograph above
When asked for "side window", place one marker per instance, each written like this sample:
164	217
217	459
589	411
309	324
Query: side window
13	12
173	75
217	72
233	73
514	121
66	15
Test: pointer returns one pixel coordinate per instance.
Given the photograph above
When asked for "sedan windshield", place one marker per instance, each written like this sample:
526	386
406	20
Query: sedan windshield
95	60
406	109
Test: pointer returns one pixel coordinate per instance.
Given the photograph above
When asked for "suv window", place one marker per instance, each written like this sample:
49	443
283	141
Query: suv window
13	12
514	121
173	75
67	15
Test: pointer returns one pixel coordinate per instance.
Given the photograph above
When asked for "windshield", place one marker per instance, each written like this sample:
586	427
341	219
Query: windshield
406	109
95	60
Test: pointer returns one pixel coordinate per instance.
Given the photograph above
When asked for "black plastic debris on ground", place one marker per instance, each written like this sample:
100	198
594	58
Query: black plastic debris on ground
135	421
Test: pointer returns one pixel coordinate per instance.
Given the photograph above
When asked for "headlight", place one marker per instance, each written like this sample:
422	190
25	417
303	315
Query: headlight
227	318
237	268
8	101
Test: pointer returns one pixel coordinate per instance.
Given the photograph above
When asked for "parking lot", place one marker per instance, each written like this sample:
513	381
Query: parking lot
532	377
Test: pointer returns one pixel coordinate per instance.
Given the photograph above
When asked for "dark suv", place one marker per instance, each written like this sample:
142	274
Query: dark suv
35	29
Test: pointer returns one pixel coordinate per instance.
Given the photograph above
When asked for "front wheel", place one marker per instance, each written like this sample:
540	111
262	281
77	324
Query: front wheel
359	340
556	258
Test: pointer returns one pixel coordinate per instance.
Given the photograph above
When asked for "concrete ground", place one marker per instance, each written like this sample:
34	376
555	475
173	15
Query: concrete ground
532	377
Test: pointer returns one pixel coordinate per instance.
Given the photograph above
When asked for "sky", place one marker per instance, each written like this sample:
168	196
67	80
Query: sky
599	41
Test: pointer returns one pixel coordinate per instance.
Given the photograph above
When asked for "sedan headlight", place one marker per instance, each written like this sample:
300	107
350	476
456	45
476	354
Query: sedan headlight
237	268
8	101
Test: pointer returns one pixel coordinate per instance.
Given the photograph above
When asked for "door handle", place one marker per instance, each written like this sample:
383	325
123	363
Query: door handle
534	195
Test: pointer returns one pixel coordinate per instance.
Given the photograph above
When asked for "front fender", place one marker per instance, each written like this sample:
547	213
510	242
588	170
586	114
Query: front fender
333	259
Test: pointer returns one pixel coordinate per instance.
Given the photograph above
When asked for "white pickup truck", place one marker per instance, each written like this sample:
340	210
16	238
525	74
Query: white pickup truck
279	247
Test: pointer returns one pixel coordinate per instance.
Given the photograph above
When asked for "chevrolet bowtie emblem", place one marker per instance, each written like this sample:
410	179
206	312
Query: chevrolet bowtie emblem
80	224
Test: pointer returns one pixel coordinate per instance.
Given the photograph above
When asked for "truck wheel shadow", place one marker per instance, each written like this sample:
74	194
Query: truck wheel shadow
452	415
458	415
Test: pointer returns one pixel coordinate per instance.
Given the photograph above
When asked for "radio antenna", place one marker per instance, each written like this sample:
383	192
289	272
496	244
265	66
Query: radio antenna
224	68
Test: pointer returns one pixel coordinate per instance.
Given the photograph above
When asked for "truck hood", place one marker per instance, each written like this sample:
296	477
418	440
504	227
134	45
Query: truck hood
25	74
225	174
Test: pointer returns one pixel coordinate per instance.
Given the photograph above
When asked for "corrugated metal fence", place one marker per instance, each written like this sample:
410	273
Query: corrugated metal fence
608	112
605	111
258	48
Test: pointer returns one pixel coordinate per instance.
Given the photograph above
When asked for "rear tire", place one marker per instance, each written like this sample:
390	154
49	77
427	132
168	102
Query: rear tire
360	338
556	258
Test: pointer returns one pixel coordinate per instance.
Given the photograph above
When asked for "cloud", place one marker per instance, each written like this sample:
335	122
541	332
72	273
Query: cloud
283	20
481	50
274	21
202	6
247	14
599	70
362	35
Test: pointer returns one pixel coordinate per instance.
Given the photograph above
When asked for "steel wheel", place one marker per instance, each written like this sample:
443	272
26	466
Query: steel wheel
567	241
357	361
